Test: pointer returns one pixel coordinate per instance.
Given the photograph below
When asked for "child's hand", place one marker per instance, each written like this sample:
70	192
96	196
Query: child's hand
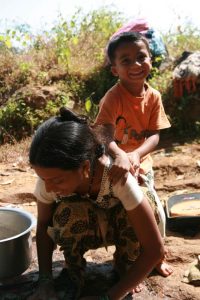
134	159
120	168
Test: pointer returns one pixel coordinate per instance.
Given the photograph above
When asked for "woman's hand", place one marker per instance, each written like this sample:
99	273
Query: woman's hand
45	291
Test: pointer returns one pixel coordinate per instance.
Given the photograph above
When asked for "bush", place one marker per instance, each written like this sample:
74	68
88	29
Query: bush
19	120
71	57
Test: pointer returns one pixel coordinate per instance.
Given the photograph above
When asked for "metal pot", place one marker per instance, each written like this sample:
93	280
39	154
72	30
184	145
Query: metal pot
15	241
182	223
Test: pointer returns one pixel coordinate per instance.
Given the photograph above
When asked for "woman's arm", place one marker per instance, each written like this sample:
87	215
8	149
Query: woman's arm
45	244
152	250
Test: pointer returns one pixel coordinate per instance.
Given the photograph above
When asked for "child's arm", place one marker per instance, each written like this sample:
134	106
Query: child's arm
149	144
129	162
147	147
121	165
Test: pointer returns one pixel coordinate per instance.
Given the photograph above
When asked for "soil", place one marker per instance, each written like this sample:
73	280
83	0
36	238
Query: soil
177	170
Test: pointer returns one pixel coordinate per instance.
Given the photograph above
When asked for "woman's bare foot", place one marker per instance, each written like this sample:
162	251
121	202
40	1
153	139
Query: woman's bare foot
164	269
138	288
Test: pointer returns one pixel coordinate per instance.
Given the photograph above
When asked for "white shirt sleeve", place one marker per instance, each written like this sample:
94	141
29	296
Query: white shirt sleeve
129	194
41	194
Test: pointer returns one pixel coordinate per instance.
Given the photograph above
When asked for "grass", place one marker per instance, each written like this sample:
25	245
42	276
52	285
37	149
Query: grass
16	152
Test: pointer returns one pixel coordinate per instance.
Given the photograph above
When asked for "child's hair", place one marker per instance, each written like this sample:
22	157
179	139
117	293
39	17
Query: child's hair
64	142
124	37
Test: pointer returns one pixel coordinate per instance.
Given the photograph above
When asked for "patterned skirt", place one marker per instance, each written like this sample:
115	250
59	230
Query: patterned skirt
79	225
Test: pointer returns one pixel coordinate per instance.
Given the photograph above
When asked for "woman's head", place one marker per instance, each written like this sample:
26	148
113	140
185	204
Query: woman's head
63	142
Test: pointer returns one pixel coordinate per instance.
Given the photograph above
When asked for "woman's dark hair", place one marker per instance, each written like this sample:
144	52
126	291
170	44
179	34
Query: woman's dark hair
64	142
124	37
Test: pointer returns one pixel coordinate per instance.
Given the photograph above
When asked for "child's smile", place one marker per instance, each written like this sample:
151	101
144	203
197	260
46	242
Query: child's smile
132	62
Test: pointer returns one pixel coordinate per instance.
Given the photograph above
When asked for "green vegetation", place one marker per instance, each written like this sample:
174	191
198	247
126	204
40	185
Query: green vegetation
66	66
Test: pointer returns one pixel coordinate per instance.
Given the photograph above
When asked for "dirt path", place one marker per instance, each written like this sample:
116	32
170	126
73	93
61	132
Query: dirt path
177	171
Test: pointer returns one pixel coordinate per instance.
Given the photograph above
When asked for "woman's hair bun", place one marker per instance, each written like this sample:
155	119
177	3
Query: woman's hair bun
68	115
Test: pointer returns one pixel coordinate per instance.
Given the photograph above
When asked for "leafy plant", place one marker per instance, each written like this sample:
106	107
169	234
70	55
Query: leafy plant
18	120
71	57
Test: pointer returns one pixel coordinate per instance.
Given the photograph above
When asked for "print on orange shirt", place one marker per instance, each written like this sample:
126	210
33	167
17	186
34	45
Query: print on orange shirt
124	132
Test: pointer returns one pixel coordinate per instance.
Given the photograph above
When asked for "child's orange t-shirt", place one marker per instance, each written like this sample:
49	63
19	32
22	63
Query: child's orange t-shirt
132	118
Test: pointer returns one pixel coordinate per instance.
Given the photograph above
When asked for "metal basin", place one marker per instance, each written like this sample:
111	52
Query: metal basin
182	223
15	241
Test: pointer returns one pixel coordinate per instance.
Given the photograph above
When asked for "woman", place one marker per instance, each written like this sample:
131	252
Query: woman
79	209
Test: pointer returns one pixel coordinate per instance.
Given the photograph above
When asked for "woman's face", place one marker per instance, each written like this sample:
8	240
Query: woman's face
62	182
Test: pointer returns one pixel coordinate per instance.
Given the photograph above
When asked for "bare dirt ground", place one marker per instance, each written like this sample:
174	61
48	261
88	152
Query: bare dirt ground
177	171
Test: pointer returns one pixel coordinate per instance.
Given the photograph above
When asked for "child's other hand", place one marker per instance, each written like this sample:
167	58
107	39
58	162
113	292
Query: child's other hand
134	159
120	168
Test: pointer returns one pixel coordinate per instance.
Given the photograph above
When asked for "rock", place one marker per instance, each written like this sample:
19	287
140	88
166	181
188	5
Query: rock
192	276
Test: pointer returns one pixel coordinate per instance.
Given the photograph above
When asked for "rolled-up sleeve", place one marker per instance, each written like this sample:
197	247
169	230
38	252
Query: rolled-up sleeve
41	194
129	194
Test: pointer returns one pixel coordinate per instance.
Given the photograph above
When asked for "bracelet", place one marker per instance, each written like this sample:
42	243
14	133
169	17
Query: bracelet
104	297
45	278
